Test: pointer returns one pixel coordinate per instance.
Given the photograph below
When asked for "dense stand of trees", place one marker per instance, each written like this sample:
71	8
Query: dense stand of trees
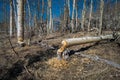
36	17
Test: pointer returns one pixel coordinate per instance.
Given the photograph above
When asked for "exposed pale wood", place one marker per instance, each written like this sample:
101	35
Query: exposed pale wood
83	40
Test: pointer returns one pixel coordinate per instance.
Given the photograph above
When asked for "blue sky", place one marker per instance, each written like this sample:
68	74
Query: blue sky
57	5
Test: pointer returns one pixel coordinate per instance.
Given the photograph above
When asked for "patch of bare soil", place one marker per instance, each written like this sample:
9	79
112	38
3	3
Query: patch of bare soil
39	62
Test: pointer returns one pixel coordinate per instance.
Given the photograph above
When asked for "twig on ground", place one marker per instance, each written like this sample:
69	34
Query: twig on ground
12	47
27	70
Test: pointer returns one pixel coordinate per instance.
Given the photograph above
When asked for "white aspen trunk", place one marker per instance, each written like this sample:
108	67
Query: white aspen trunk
11	18
52	25
29	13
101	16
20	20
64	21
35	24
76	16
83	40
83	15
15	16
42	11
72	21
50	21
15	13
68	2
90	15
29	27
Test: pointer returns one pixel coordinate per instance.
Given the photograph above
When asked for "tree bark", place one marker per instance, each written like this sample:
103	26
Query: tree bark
72	21
83	15
83	40
42	11
50	14
15	15
20	20
11	18
90	15
101	16
68	2
76	16
29	27
48	31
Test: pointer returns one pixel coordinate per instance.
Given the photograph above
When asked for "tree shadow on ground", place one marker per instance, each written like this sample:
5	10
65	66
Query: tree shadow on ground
18	67
72	52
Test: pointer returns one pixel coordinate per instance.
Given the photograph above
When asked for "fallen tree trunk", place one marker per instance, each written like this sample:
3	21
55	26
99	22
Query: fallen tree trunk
83	40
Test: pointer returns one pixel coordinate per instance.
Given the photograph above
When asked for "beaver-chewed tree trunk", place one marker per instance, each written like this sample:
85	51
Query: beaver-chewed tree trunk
20	20
83	40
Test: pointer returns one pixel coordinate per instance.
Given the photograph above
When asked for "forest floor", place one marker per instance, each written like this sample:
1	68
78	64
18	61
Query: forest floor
94	61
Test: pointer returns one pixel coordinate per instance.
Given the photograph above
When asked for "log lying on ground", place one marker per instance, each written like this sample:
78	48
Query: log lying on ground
83	40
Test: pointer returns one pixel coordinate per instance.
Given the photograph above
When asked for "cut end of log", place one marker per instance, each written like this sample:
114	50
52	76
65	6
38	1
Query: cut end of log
21	42
62	48
64	45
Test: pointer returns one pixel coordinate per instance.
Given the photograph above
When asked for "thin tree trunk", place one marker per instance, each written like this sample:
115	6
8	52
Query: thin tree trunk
64	21
20	20
29	27
72	22
76	16
48	31
42	11
68	2
90	15
35	24
83	15
11	18
50	14
101	16
116	7
15	17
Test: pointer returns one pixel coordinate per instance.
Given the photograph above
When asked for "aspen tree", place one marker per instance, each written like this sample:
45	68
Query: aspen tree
83	15
20	20
101	16
11	18
72	21
90	15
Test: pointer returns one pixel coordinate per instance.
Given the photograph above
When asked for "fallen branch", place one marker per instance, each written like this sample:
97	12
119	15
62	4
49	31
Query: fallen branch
83	40
13	47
